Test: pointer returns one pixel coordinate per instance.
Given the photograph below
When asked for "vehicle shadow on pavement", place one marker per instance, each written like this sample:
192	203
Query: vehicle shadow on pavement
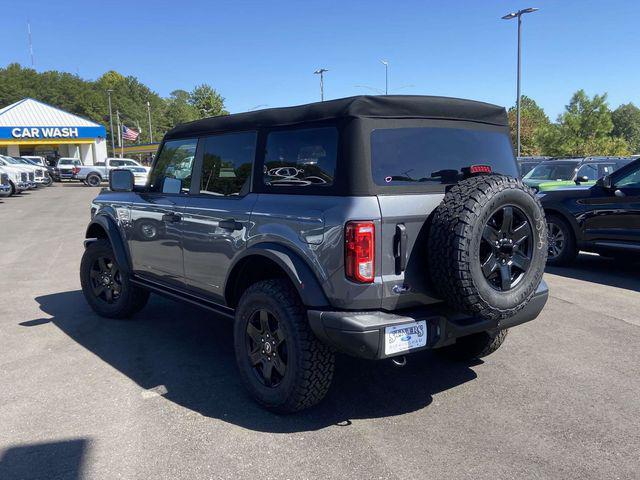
184	350
603	270
60	460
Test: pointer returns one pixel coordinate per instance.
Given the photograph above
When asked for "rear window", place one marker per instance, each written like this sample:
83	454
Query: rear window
406	156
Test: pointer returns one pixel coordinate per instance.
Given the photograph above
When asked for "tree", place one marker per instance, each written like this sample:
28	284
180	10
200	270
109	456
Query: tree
129	96
533	121
179	108
626	124
207	101
583	129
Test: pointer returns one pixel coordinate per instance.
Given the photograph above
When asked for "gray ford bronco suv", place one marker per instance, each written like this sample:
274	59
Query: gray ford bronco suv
372	226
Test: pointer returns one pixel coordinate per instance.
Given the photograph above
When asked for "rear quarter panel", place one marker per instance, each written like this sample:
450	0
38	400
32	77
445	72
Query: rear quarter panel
313	228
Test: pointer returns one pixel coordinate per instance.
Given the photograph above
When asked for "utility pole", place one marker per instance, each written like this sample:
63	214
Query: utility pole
386	76
113	147
321	72
150	131
510	16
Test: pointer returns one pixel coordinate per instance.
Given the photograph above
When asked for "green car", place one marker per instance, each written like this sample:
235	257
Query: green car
562	173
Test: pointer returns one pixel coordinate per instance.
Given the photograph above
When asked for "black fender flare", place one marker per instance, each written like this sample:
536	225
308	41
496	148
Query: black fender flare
109	226
298	271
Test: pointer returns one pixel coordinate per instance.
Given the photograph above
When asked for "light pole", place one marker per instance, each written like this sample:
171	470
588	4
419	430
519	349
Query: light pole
321	72
150	131
386	76
511	16
113	145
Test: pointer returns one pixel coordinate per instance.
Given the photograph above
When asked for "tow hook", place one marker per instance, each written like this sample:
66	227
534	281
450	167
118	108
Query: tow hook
399	361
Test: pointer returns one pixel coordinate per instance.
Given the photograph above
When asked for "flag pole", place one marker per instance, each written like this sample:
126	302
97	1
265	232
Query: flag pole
119	132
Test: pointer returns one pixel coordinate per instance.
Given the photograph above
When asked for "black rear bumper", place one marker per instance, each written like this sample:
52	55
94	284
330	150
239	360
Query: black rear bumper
361	334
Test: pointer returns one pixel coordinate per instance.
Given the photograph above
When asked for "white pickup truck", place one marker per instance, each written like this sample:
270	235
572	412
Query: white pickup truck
94	175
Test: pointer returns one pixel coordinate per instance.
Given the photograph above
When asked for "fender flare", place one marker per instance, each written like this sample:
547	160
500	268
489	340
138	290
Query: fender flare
109	226
296	269
570	219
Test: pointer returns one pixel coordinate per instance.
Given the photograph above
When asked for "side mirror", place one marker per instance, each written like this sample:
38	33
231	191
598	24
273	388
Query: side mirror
121	180
171	185
582	179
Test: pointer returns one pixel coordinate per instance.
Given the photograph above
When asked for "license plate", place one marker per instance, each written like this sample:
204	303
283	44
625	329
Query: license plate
401	338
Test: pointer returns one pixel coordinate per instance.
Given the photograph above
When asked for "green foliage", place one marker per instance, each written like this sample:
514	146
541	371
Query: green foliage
533	121
585	128
626	124
207	101
129	96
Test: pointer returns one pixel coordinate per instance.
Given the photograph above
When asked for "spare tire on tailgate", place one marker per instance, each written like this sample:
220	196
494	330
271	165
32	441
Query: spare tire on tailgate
488	246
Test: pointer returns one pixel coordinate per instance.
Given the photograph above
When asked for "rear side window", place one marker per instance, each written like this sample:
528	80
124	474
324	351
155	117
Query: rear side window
301	157
227	163
407	156
175	161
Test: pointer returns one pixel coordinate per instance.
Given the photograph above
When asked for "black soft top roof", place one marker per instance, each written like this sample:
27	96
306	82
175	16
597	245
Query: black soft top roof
388	106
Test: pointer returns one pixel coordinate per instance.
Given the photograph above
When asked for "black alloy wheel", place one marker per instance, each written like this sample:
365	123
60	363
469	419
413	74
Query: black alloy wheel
106	280
506	249
93	180
267	348
556	240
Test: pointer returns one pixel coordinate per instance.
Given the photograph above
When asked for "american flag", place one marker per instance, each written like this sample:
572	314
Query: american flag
129	134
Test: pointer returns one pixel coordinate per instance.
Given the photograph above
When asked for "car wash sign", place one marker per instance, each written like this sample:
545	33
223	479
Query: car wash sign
31	133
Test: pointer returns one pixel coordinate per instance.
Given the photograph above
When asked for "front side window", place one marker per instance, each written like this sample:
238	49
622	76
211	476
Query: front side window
588	170
414	155
175	161
227	163
301	157
630	180
553	171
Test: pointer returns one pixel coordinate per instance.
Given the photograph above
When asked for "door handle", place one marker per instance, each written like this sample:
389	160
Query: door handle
400	248
230	224
171	217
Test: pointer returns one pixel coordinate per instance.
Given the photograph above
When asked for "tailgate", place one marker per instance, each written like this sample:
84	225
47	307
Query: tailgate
403	249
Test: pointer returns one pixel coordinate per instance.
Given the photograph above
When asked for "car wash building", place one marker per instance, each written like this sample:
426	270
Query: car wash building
30	127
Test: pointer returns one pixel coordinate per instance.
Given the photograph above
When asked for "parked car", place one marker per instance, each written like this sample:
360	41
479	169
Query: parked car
140	175
564	172
5	185
18	179
407	244
526	164
94	175
41	175
29	177
602	218
42	162
66	167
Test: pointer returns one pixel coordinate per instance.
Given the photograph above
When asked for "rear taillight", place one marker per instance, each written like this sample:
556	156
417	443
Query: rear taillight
75	170
360	251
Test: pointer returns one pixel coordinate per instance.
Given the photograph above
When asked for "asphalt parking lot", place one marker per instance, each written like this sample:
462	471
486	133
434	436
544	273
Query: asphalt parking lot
158	397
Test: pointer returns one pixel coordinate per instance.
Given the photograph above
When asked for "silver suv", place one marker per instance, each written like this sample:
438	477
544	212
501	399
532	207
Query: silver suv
371	226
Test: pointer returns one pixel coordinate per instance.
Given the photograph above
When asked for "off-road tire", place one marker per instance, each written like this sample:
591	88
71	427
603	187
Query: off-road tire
478	345
14	190
455	238
310	363
132	298
569	251
48	180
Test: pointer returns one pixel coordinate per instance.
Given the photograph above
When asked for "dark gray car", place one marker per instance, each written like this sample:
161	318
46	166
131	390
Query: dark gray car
372	226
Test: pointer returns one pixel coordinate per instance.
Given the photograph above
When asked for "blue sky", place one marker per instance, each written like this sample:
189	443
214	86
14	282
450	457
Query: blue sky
264	52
